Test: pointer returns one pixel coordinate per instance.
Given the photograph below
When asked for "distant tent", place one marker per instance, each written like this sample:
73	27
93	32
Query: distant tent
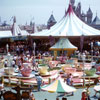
63	44
96	21
16	31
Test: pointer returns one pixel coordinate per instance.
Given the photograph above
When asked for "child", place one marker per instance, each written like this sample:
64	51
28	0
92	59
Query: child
31	96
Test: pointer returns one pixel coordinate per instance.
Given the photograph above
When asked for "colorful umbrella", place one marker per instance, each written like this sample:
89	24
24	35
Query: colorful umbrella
58	86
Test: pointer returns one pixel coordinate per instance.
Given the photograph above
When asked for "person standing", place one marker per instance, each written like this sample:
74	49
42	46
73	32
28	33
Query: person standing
5	63
68	80
84	95
96	82
72	85
13	63
88	93
39	82
31	95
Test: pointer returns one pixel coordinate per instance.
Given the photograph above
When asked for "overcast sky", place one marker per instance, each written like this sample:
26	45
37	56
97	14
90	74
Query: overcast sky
40	10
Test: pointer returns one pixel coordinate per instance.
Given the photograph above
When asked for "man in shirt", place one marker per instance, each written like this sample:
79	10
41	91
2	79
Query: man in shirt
39	82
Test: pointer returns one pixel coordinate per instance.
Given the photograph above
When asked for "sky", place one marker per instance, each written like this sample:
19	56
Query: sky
39	11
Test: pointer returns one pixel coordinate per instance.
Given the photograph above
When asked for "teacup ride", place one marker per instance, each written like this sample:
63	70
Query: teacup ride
63	67
8	74
43	71
26	71
53	64
9	70
11	77
42	65
90	72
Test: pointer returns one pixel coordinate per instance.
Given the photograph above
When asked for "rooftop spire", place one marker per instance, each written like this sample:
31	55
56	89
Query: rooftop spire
89	11
65	11
96	13
14	19
70	2
52	12
70	9
0	19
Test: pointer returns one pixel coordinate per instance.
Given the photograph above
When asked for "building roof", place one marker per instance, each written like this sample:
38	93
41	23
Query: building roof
89	11
63	43
69	25
5	34
96	21
51	19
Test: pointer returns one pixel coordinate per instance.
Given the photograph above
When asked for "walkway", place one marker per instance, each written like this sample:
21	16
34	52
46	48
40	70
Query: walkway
52	96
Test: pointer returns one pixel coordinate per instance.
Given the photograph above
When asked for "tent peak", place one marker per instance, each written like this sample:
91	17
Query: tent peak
70	10
14	19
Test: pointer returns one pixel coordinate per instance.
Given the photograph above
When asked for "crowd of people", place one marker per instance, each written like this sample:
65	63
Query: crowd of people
27	56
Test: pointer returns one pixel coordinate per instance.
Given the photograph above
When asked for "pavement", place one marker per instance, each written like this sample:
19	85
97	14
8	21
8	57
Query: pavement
42	95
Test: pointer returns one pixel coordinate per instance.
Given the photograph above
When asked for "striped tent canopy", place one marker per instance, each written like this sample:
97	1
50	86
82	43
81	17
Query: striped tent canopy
70	25
64	44
58	86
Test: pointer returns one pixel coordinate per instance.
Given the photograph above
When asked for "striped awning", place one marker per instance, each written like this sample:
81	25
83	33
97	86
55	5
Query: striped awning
58	86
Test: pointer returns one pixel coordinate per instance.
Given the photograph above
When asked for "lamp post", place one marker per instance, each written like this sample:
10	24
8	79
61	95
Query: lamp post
92	50
7	48
8	55
34	45
9	61
83	58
